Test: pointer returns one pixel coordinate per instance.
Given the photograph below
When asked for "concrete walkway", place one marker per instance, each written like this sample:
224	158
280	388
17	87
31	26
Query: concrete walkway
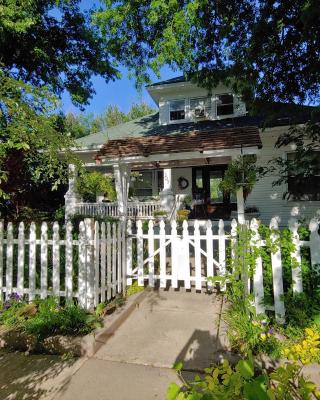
136	363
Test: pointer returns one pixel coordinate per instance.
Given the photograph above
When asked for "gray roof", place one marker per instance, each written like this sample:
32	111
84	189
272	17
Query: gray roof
177	79
275	114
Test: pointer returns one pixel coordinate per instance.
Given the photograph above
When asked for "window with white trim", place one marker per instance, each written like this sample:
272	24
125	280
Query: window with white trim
303	188
200	107
177	110
225	104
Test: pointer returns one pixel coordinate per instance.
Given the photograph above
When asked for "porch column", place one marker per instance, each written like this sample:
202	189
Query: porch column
240	198
122	181
72	197
166	195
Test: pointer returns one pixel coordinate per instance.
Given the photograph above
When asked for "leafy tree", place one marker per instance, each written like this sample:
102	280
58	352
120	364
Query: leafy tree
262	49
113	116
271	47
52	42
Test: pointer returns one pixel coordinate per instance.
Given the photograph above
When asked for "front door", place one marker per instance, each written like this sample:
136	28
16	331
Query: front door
210	201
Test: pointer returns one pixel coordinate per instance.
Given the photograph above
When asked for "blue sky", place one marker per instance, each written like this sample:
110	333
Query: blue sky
121	92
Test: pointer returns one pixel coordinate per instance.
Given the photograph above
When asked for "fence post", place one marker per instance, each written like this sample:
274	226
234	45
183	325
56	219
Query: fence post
186	261
295	257
197	255
129	253
174	258
114	259
209	243
56	260
119	255
32	261
314	243
222	252
89	223
140	253
1	260
258	271
109	262
103	261
96	259
124	256
21	256
277	272
44	260
82	278
69	260
151	253
234	226
9	265
162	254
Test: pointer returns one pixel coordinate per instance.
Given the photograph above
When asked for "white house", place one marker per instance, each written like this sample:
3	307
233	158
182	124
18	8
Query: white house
183	150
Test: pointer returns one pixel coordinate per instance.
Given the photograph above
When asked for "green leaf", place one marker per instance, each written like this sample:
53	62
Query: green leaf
246	369
178	366
172	391
256	390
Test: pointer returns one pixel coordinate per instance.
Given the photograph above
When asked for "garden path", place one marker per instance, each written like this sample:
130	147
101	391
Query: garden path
135	363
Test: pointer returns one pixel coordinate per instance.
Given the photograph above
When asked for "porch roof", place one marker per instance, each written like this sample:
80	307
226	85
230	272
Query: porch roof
195	141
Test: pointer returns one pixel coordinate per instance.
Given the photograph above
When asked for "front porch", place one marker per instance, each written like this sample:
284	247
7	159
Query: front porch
180	171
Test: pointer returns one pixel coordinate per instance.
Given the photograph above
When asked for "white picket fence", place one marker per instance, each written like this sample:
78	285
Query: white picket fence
105	258
31	264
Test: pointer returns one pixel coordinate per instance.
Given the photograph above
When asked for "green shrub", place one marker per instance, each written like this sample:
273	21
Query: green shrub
243	382
134	288
44	318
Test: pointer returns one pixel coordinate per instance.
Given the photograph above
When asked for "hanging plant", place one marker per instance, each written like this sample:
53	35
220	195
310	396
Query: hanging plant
241	172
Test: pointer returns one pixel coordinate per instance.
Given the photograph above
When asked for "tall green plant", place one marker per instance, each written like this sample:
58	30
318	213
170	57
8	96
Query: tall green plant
91	184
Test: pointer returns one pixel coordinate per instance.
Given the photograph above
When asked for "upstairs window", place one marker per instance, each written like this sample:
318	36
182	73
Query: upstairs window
177	110
200	107
225	105
304	188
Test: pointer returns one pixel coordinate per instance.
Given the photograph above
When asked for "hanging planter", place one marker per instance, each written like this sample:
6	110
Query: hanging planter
241	173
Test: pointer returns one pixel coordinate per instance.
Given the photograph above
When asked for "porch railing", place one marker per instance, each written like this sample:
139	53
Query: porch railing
135	209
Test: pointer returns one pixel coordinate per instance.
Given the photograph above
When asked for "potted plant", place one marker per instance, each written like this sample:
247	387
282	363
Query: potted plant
241	173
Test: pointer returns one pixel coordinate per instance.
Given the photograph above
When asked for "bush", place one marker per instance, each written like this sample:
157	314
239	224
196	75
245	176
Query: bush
91	184
243	382
44	318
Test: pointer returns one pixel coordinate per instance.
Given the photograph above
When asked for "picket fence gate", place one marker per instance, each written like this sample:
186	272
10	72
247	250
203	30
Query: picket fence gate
105	258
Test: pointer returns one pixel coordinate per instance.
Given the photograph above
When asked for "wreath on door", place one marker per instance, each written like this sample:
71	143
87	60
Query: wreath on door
183	183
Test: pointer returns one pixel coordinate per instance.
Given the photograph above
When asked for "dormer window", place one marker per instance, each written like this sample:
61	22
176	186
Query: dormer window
200	107
177	110
225	104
